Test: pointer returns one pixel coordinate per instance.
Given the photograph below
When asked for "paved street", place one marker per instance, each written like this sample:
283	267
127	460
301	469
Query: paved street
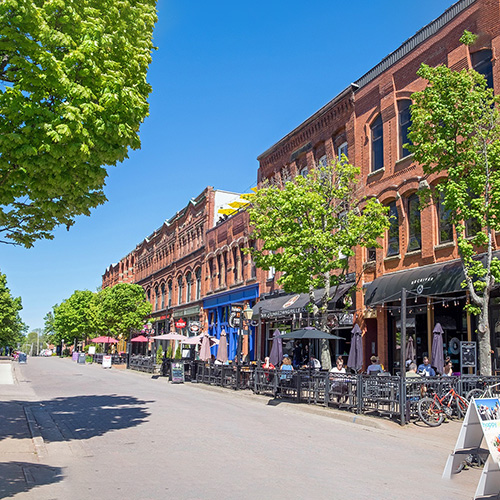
72	431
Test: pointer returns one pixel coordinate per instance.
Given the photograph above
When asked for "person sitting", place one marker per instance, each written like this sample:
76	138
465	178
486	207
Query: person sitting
412	371
426	369
267	364
375	366
286	366
448	369
339	366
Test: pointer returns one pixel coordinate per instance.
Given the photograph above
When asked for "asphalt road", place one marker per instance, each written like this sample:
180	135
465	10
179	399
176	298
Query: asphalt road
116	434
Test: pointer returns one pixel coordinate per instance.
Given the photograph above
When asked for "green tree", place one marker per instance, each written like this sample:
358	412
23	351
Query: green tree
73	319
120	309
48	327
11	325
456	131
309	231
34	341
73	93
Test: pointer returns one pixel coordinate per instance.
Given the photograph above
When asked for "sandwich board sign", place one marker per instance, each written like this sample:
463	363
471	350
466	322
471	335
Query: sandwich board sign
481	424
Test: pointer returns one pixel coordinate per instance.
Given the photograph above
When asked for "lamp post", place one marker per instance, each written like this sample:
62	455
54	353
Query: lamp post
245	318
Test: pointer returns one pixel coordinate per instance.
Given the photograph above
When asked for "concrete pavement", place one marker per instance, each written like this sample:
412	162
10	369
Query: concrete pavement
122	434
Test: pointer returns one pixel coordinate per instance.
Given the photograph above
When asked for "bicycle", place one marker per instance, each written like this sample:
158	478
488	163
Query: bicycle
483	393
433	410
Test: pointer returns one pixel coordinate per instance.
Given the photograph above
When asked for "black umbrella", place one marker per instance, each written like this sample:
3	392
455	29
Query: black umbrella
310	333
355	360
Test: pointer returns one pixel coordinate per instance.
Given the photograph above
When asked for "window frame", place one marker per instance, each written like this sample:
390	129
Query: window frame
414	239
377	148
393	226
403	127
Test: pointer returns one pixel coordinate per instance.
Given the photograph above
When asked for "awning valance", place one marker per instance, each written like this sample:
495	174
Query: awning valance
289	304
434	279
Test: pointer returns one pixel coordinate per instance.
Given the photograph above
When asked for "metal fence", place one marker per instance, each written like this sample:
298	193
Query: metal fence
142	363
116	359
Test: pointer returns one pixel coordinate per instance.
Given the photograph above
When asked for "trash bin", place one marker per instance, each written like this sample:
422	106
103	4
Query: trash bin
23	358
81	358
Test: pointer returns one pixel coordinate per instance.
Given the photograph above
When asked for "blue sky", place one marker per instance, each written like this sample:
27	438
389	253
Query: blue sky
229	80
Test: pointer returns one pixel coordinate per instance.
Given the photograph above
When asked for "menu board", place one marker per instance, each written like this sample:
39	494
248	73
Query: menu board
468	354
177	376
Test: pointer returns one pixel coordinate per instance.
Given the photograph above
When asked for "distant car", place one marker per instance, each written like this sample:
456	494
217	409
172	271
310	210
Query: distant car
46	352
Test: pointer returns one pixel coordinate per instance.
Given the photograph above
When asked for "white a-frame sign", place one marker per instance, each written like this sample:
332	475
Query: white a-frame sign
482	422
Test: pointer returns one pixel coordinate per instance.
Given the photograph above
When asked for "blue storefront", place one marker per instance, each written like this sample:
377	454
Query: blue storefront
218	309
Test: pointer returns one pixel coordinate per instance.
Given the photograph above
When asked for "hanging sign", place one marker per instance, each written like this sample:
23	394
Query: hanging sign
194	327
180	323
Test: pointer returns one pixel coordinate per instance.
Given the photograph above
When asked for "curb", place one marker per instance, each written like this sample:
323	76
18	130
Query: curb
36	436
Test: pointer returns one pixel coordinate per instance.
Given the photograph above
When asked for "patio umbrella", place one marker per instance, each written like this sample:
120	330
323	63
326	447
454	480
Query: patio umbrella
197	340
309	333
437	349
222	350
140	338
205	354
170	336
277	349
104	340
355	359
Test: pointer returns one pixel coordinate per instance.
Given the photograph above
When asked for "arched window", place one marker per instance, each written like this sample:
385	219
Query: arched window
393	231
198	283
163	295
169	291
414	226
377	131
188	287
156	298
179	290
404	125
444	222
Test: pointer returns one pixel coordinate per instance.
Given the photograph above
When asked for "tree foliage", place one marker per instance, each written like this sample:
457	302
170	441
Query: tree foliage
11	325
73	93
456	131
120	309
309	230
72	318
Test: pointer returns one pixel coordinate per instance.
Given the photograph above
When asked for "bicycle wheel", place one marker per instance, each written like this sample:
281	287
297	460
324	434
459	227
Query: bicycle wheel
430	412
461	405
474	393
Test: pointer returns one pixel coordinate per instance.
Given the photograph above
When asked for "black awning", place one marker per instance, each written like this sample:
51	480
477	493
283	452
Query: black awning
435	279
289	304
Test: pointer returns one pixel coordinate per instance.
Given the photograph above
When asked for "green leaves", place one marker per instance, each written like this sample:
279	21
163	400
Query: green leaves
11	325
310	228
73	93
111	311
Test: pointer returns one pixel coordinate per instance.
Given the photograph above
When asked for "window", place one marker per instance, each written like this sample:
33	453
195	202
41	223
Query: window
179	290
163	296
303	172
404	125
472	227
169	291
272	270
253	268
377	144
393	232
371	254
198	283
322	162
236	264
481	62
444	223
188	287
149	295
342	150
156	298
414	228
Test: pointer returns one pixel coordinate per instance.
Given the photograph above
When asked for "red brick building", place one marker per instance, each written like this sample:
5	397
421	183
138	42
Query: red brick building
370	119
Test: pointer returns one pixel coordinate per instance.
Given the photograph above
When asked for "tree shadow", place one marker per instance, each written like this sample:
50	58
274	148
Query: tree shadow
20	477
75	417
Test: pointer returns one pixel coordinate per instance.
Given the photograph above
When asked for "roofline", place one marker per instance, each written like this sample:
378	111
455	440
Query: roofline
419	37
313	117
406	47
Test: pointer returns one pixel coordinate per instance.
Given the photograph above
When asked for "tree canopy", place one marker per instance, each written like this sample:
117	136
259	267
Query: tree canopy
456	133
310	228
11	325
73	93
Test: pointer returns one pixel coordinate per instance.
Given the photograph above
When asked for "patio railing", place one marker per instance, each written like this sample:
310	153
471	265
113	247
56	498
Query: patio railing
116	359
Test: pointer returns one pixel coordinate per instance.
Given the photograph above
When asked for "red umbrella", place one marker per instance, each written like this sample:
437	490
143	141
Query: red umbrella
105	340
140	338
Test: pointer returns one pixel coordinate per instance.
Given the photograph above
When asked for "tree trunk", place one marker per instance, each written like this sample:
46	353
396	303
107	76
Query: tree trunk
483	337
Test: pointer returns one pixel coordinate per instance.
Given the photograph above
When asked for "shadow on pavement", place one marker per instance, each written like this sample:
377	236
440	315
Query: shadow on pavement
20	477
75	417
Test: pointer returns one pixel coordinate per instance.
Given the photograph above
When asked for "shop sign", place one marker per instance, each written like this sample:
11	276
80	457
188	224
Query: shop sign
180	323
468	354
194	326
